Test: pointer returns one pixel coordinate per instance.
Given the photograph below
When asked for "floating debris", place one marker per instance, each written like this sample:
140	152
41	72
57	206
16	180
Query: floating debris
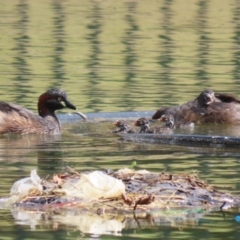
125	189
27	186
122	198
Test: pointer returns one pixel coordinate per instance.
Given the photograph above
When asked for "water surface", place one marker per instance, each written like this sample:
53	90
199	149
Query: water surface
117	57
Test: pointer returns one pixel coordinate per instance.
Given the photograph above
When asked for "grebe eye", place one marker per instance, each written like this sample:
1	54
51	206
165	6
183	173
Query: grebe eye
59	99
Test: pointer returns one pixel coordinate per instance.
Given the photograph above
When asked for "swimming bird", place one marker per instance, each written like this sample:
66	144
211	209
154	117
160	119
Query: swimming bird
225	109
19	120
123	127
170	123
144	125
192	111
208	107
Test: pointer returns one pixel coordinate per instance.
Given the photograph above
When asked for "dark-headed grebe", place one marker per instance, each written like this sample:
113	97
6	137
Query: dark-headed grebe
19	120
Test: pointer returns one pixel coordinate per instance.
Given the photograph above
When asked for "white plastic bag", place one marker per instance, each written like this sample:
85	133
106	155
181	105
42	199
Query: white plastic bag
24	186
94	185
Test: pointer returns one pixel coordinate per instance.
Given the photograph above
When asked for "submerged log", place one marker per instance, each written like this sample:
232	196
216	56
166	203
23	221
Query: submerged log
185	139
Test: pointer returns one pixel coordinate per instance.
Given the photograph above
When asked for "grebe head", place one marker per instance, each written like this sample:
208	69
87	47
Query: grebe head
206	97
168	120
122	125
143	123
52	100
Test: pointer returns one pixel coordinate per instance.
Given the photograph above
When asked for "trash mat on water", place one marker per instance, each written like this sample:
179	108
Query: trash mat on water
126	188
117	199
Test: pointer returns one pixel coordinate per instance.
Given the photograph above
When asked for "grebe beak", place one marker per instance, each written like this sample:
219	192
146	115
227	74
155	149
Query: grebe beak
69	105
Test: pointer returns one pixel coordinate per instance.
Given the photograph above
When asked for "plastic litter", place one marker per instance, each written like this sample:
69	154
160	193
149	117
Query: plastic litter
237	218
25	186
94	185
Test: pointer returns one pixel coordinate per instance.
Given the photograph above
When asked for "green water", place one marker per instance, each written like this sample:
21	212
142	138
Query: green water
117	56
